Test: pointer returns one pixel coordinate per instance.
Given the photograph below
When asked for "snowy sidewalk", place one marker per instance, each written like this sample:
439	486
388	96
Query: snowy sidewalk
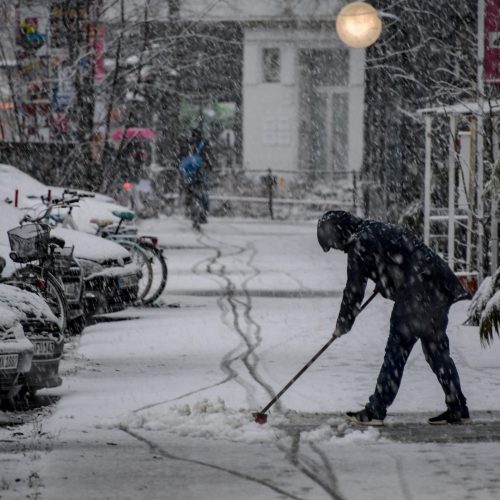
159	406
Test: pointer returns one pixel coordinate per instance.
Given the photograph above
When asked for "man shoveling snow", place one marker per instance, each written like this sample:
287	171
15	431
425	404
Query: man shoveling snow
423	288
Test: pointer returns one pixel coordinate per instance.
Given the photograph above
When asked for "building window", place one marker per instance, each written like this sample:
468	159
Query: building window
340	131
324	110
271	65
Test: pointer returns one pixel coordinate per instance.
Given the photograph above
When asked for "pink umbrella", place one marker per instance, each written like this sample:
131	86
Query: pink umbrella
142	133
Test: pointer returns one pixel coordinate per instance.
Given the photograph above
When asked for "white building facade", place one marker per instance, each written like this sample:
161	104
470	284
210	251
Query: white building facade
302	101
303	89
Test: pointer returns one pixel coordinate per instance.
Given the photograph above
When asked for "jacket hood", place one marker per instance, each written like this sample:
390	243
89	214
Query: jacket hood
336	228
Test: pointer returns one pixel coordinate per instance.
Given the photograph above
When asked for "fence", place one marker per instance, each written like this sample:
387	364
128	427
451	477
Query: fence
282	193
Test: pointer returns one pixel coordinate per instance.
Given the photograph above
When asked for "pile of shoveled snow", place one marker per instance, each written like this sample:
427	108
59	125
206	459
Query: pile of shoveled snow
343	432
214	420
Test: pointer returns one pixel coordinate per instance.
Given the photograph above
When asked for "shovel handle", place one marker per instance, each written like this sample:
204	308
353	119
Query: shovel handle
311	361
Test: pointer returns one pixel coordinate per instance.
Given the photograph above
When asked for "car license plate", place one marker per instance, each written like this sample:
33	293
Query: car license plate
127	281
43	347
8	361
72	290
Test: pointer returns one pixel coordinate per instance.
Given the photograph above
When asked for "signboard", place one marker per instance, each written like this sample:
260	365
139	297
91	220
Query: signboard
492	41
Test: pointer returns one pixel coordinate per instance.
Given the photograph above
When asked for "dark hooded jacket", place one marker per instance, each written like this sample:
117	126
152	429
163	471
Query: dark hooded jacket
399	263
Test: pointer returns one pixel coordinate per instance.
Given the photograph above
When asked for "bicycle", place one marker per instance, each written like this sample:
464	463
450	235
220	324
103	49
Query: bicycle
143	249
31	242
115	232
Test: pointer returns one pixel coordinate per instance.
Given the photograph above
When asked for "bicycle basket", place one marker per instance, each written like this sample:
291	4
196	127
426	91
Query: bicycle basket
29	242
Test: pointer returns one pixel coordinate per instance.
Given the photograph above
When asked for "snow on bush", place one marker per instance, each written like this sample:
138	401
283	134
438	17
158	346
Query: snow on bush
490	319
479	301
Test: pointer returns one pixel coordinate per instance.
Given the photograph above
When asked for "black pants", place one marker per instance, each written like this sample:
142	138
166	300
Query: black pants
417	316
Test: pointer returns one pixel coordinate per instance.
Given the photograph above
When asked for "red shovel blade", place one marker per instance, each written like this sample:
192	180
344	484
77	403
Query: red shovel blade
260	418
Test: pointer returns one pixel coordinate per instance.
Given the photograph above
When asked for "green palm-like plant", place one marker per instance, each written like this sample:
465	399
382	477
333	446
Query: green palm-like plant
490	320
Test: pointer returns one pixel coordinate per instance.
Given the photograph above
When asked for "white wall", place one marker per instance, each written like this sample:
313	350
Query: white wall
270	110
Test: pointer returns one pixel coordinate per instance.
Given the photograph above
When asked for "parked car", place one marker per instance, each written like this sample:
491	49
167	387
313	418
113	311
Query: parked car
29	193
111	279
16	354
41	328
69	272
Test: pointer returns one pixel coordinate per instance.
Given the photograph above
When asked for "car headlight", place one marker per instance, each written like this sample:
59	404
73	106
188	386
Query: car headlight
90	267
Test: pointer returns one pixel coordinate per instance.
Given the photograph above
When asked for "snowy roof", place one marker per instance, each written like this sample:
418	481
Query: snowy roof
462	108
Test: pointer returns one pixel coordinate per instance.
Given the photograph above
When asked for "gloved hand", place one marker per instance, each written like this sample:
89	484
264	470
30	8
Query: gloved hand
335	335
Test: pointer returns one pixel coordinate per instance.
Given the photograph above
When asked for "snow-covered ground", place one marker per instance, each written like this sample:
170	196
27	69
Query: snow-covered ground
158	405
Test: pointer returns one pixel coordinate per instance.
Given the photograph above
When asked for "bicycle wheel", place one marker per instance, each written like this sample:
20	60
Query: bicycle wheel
141	258
50	289
160	272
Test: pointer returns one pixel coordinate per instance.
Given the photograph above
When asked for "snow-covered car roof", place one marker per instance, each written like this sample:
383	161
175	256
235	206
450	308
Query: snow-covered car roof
86	246
11	178
30	191
90	247
25	305
12	338
7	318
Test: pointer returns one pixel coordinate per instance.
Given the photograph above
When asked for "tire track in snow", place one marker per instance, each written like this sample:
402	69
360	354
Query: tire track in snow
228	358
249	331
164	453
244	351
319	472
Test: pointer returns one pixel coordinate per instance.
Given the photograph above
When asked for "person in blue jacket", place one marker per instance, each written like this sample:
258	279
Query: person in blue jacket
195	161
422	287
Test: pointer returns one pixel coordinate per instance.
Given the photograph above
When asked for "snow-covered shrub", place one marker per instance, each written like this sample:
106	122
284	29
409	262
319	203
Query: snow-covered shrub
484	309
490	319
413	217
479	301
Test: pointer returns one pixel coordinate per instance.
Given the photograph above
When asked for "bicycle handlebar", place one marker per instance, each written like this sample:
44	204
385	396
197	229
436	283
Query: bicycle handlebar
63	199
62	202
78	194
54	203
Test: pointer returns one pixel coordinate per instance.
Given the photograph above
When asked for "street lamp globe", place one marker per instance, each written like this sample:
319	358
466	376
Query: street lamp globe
358	25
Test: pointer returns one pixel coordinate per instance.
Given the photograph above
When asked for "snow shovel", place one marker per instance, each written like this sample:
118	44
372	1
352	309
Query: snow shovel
261	416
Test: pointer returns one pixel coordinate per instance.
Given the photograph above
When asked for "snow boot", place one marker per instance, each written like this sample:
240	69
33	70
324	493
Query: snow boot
363	417
449	417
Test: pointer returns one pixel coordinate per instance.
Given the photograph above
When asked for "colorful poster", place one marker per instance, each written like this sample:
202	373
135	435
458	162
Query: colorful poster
68	17
492	41
32	30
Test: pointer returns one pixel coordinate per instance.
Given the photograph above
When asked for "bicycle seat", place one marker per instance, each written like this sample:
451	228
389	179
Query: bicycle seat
57	218
102	223
124	215
59	242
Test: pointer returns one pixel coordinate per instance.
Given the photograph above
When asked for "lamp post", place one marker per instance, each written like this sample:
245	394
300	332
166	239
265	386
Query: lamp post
358	25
